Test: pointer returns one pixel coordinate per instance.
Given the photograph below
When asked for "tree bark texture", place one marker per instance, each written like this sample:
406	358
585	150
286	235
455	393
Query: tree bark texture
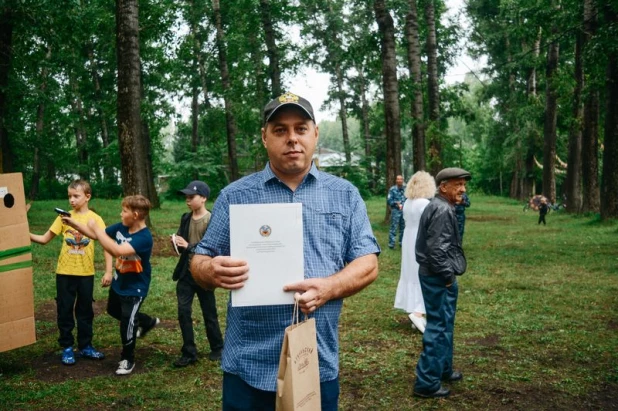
343	113
573	186
362	83
230	121
132	154
274	71
80	131
108	171
433	94
590	133
414	67
517	189
6	50
39	136
549	129
195	110
609	184
528	184
390	89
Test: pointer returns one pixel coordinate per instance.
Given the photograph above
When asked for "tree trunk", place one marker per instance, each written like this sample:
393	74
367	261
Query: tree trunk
549	130
133	156
40	125
414	67
609	184
343	114
6	51
573	185
517	190
390	89
274	71
590	132
230	121
80	131
262	92
108	170
195	109
195	92
362	83
528	180
150	177
433	94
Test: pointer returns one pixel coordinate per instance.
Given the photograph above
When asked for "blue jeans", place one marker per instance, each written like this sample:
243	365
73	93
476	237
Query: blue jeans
396	222
240	396
436	361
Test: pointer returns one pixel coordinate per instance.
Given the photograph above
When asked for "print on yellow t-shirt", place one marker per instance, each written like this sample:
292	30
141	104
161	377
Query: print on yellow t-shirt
77	252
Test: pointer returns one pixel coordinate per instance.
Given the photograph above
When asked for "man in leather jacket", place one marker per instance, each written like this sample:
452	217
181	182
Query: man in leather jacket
441	259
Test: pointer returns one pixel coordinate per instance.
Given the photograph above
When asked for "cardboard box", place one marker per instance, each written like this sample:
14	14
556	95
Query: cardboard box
16	291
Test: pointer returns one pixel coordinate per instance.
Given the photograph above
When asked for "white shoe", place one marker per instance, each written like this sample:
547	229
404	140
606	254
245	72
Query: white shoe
419	322
125	367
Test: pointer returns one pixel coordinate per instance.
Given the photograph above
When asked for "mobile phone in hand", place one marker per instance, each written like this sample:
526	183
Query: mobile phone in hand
62	212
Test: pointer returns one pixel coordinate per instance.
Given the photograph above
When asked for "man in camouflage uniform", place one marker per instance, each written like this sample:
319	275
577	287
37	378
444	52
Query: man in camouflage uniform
460	213
395	201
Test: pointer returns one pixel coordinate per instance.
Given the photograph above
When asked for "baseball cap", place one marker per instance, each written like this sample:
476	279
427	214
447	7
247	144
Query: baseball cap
196	187
452	172
287	99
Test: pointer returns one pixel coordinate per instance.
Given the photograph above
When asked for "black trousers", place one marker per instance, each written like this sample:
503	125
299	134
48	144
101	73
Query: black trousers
542	219
186	289
74	302
126	309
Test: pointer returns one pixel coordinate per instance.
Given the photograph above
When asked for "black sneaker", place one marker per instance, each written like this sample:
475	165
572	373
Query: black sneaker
142	331
184	361
442	392
215	355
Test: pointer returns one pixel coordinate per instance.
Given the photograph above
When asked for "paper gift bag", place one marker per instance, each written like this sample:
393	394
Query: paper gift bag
298	380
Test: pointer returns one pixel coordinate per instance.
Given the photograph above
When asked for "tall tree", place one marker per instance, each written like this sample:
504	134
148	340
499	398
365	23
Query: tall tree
590	134
414	67
609	183
39	143
551	113
573	184
133	155
327	22
433	93
230	120
390	90
6	47
274	69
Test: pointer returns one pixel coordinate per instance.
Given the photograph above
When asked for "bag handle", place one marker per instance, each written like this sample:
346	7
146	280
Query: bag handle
296	314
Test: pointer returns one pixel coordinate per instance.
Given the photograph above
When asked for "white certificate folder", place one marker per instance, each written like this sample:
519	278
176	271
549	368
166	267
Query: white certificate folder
270	238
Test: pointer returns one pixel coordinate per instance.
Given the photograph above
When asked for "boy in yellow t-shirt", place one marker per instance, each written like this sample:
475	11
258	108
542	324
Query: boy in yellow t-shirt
75	275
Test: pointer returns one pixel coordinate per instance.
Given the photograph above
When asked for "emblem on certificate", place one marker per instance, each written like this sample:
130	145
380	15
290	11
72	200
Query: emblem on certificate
265	230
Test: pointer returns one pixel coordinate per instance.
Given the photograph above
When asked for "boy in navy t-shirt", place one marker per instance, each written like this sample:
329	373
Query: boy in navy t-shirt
130	241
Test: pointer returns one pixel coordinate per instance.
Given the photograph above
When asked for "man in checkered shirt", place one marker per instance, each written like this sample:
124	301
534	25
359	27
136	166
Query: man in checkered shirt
340	259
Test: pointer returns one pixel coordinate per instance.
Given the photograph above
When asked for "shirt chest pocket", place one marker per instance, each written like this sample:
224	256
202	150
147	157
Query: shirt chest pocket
332	238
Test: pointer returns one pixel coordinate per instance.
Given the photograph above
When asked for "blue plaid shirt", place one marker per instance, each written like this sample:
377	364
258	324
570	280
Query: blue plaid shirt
336	231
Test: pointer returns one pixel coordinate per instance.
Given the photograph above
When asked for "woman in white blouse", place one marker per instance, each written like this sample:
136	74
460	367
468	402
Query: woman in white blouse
409	297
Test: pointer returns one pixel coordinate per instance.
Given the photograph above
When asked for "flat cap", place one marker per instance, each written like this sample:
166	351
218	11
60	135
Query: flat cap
452	172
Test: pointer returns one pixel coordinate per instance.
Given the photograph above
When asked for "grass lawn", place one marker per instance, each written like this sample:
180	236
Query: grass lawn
536	325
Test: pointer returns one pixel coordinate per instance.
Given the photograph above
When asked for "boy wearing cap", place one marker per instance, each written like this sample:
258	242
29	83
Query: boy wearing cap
192	228
339	253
